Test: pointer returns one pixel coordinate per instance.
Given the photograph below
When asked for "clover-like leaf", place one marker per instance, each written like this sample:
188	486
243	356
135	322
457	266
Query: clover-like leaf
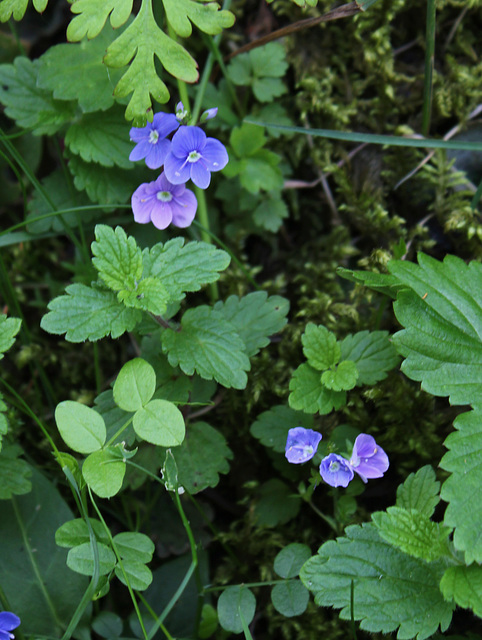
290	598
210	345
81	559
320	347
104	471
160	422
75	532
309	395
135	385
235	603
81	428
289	560
136	574
373	354
376	569
206	16
420	491
9	327
86	313
134	546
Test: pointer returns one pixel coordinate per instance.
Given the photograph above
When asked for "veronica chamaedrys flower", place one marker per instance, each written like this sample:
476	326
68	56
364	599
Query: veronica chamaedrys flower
336	471
162	202
8	622
193	156
368	459
301	444
209	114
151	140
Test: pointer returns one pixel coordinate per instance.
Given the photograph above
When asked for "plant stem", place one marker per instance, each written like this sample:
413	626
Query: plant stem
429	63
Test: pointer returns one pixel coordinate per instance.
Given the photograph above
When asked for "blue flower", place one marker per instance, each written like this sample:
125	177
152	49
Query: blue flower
151	140
193	156
163	203
8	622
368	459
336	471
301	444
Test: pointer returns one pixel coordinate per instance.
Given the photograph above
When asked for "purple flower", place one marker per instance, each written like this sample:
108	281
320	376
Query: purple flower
151	140
162	202
8	622
336	471
209	114
368	459
301	444
193	156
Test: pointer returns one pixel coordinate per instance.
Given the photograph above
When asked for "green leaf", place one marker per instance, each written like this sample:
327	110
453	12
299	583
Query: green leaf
255	317
271	427
464	585
202	456
81	428
118	259
373	354
420	491
134	546
381	282
270	213
135	385
77	72
261	172
233	603
81	559
76	532
412	532
17	8
27	104
309	395
210	345
137	46
108	625
15	474
138	575
462	489
101	137
183	267
160	422
267	89
247	139
442	339
377	569
86	313
320	347
269	61
104	471
9	327
206	17
276	504
290	598
93	15
289	560
342	377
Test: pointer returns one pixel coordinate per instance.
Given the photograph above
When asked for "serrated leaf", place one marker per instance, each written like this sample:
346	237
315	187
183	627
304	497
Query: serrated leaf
104	471
15	474
442	339
276	505
260	172
27	104
102	138
9	327
134	546
118	259
247	139
269	61
289	560
139	576
160	422
137	45
81	559
270	213
77	72
255	317
415	604
202	456
184	267
342	377
464	585
420	491
290	598
462	489
271	427
81	428
88	314
373	354
309	395
76	532
233	603
412	532
381	282
210	345
320	347
267	89
93	16
206	17
134	385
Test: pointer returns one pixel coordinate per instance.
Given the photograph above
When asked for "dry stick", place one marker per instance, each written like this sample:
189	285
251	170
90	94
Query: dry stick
454	28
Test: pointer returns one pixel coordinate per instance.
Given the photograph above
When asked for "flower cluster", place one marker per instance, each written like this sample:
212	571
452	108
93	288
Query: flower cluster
8	622
368	460
190	155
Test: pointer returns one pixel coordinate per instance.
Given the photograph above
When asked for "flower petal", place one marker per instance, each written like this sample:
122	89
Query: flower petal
139	134
215	155
336	471
301	444
200	174
157	153
176	169
188	139
140	151
8	621
184	209
161	215
142	202
165	123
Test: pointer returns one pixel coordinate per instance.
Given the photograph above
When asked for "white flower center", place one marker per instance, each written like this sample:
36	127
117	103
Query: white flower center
193	156
334	466
164	196
153	136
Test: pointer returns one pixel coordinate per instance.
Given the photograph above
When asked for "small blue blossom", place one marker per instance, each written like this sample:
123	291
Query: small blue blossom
163	203
301	444
336	471
151	142
194	156
8	622
368	459
209	114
